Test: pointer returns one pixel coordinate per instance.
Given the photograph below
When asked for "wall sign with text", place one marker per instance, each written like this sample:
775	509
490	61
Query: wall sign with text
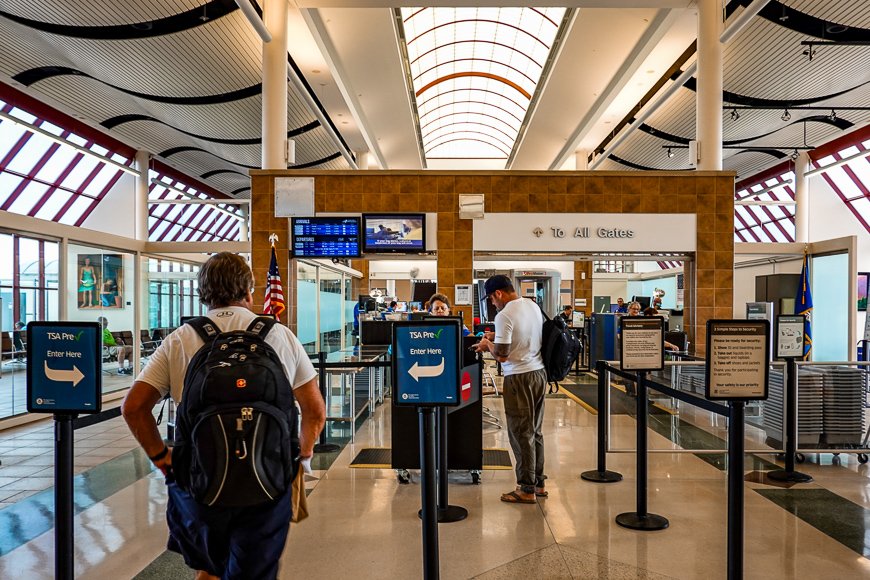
643	343
738	355
790	336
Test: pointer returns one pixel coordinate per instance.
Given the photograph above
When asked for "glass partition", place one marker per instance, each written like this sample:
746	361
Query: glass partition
324	307
830	316
306	305
331	310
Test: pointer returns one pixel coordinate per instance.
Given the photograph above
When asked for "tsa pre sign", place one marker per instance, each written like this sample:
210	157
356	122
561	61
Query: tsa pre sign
426	363
64	367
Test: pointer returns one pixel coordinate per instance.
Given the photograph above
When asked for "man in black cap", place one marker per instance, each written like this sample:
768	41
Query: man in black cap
516	344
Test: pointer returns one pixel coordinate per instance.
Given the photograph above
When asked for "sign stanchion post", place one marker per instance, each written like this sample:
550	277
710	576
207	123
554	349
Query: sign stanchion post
737	370
601	474
64	377
735	490
429	509
322	446
790	345
446	513
643	350
426	375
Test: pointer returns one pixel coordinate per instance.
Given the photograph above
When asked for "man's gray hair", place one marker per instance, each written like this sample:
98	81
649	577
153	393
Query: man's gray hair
224	279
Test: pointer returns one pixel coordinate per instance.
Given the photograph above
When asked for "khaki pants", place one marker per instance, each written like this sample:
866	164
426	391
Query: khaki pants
524	407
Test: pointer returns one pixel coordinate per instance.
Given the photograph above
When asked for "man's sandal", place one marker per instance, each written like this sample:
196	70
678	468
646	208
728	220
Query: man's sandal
514	497
541	492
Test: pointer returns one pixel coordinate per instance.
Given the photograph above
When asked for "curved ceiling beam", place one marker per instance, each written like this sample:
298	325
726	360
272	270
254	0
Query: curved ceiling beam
499	119
208	174
475	20
481	41
147	29
633	165
772	152
317	162
472	123
839	123
121	119
35	75
804	23
421	105
491	76
489	60
167	153
737	99
240	190
433	146
467	139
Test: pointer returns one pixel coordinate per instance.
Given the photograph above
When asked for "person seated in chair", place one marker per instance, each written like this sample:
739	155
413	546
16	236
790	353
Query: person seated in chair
18	341
124	352
439	305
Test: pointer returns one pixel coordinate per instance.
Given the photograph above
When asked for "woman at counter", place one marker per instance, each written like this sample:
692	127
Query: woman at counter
439	305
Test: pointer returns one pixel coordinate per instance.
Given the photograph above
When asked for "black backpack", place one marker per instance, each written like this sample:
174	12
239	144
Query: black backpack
560	347
236	436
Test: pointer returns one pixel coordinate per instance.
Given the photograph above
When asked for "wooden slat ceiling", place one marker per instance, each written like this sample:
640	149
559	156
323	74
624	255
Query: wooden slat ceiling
147	91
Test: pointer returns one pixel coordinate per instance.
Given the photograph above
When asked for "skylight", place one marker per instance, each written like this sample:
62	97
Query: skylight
474	73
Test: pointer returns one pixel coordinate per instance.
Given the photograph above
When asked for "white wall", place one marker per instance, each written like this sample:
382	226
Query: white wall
401	269
830	218
115	213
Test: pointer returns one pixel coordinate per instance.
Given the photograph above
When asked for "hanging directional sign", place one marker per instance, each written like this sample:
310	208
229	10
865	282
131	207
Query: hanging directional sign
426	362
64	367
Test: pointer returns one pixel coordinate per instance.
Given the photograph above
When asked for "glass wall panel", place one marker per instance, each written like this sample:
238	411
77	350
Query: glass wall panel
331	310
349	303
830	317
306	306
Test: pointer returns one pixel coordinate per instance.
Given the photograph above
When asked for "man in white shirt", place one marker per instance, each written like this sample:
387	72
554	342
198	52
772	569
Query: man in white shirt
223	542
516	344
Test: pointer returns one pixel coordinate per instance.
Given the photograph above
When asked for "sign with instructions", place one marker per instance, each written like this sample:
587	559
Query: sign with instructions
643	343
64	367
790	336
738	352
426	362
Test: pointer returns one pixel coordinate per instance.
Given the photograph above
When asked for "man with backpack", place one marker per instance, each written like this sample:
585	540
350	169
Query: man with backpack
516	344
236	378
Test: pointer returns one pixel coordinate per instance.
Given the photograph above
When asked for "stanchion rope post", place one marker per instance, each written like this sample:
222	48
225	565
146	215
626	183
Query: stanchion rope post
601	474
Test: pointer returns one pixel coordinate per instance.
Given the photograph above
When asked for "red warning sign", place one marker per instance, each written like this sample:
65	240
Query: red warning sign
465	391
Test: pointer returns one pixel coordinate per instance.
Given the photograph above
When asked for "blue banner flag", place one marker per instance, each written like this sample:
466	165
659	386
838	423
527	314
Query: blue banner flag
803	304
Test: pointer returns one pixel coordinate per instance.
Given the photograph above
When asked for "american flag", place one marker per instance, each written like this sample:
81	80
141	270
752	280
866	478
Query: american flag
274	303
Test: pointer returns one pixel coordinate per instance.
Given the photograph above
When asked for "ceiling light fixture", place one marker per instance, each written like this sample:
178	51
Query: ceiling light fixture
809	52
734	115
786	116
795	155
670	153
833	116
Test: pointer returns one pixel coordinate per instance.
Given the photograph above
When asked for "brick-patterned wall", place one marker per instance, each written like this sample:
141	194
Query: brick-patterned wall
710	195
583	286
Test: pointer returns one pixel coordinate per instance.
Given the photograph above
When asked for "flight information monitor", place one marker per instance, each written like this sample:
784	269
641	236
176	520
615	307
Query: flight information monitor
325	237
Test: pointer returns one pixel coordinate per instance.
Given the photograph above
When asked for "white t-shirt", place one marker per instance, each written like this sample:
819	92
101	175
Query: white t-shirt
167	366
519	325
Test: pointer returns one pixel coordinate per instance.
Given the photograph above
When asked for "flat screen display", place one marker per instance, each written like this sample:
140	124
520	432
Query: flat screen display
394	232
325	237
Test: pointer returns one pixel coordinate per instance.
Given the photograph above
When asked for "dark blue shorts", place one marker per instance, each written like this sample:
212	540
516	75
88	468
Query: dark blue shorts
238	542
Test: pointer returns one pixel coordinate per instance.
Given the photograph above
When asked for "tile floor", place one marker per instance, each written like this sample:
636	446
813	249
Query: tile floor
363	522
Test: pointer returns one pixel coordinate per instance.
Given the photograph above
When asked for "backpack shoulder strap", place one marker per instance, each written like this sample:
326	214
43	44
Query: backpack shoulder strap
261	326
546	318
205	328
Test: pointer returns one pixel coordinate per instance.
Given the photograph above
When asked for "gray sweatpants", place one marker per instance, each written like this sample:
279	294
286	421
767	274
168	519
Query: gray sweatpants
524	407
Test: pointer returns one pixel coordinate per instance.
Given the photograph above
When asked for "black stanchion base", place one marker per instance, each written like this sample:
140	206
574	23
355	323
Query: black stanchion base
596	476
326	447
789	476
647	523
452	513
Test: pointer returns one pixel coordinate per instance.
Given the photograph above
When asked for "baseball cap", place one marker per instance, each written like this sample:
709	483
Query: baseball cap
497	282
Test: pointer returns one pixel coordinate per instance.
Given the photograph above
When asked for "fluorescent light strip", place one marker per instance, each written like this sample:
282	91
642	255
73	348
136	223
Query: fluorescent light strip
187	196
61	141
842	161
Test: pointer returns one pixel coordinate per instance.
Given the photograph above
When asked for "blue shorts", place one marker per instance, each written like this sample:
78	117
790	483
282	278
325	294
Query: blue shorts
238	542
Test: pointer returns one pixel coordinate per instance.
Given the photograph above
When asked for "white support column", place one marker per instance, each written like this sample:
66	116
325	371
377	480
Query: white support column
709	83
140	205
274	120
802	198
362	159
243	223
581	159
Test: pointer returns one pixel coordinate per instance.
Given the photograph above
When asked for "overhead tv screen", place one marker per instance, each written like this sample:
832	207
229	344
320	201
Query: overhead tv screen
394	232
325	237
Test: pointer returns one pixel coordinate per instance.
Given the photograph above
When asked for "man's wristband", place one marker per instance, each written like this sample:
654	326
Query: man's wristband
160	455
